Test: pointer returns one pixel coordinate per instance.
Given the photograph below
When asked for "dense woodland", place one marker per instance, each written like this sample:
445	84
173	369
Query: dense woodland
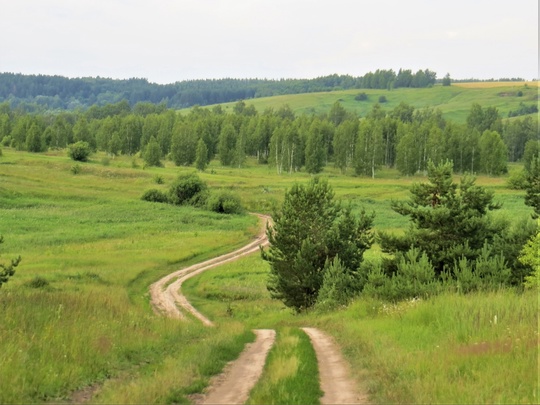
405	138
41	92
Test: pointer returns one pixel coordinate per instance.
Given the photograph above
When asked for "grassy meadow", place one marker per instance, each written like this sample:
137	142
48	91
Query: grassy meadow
76	317
454	101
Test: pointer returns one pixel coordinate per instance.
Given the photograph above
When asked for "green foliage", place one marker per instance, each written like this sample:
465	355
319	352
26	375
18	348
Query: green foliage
446	81
201	155
310	230
225	202
361	96
155	195
339	286
532	186
7	270
158	179
448	223
383	99
493	153
38	282
75	169
414	278
530	256
523	109
152	153
187	189
79	151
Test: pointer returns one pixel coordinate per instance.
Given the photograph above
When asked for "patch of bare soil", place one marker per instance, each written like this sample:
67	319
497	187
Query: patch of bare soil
239	377
337	385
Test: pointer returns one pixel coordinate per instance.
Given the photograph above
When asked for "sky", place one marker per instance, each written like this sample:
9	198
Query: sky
166	41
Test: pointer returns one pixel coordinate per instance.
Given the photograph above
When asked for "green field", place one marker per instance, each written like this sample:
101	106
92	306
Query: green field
454	101
76	315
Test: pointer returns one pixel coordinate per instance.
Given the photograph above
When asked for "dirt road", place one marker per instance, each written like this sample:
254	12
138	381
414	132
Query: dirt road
235	383
165	294
239	377
337	385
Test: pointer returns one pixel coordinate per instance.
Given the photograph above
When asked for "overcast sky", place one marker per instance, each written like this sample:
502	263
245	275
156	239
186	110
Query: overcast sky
173	40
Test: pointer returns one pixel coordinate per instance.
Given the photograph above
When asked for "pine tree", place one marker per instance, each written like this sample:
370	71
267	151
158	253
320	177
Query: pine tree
310	230
447	221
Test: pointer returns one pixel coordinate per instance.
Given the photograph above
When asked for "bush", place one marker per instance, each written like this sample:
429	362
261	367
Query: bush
79	151
517	180
225	203
75	169
38	282
158	179
6	140
154	195
361	97
185	190
382	99
414	278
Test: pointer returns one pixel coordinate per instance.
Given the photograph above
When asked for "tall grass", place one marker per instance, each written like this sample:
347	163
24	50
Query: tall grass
95	248
477	348
76	312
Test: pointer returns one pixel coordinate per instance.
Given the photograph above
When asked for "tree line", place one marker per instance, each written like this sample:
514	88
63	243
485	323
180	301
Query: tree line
45	93
404	138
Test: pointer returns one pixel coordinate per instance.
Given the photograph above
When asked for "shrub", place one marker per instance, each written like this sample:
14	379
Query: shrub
361	97
225	203
517	180
79	151
154	195
76	169
414	278
382	99
38	282
185	188
6	140
339	286
158	179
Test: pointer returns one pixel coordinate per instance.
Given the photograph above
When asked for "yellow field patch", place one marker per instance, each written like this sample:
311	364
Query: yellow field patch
489	85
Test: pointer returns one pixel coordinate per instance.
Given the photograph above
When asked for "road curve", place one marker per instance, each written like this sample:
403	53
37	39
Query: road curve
165	293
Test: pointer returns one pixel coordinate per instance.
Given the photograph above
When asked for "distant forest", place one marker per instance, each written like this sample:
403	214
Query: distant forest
34	93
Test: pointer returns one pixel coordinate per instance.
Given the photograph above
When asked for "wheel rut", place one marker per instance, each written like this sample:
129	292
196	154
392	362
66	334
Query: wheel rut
239	377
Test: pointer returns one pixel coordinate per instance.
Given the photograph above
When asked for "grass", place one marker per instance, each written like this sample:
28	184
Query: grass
449	349
76	313
454	101
291	374
94	247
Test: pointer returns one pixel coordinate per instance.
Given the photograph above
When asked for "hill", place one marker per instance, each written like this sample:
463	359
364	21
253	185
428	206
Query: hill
454	101
42	92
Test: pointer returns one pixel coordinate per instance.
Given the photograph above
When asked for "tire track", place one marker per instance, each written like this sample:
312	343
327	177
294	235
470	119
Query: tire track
165	293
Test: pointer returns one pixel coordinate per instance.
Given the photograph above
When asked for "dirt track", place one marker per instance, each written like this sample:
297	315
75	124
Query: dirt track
234	384
165	293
